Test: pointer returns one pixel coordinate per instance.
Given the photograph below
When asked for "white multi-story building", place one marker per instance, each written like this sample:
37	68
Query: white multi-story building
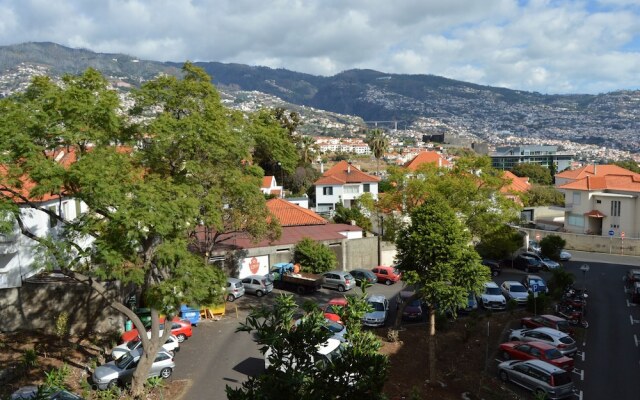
342	184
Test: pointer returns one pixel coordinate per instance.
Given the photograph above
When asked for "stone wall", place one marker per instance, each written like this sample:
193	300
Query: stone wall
37	305
593	243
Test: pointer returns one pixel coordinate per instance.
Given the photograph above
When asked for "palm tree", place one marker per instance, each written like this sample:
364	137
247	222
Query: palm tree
307	147
378	143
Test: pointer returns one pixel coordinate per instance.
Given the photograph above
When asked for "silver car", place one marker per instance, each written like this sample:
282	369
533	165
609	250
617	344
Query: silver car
235	289
341	280
380	310
120	372
560	340
514	290
543	379
257	284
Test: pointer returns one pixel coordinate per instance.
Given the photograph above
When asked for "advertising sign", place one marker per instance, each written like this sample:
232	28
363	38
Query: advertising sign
257	265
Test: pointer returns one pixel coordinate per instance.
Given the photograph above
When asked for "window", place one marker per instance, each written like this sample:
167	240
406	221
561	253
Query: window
327	191
576	198
352	189
576	220
615	208
366	187
598	201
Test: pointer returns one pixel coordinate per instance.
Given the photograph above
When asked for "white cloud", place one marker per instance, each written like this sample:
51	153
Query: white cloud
542	45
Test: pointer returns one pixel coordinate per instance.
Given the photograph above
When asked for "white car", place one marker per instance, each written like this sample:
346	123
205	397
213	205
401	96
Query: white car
561	340
565	255
171	346
515	290
492	298
380	309
327	351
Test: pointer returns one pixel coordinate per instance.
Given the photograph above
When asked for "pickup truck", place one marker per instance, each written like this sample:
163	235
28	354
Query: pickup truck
284	277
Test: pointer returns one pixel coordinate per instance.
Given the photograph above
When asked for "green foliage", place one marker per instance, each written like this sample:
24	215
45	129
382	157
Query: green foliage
314	257
435	255
274	148
62	325
551	245
500	243
110	394
540	195
384	186
560	279
359	372
29	359
512	306
538	305
345	215
155	382
629	164
535	172
55	379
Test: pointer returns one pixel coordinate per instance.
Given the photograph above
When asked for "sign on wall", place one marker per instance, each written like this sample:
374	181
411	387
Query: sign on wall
256	265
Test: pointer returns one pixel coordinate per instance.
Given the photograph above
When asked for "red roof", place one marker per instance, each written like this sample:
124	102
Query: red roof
290	214
623	183
595	170
594	214
342	173
430	157
518	184
267	182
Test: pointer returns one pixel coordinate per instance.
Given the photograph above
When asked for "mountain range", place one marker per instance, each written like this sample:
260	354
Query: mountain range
356	98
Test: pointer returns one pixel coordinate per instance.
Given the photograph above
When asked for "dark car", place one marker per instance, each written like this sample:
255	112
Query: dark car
527	263
413	310
548	320
363	275
493	265
633	276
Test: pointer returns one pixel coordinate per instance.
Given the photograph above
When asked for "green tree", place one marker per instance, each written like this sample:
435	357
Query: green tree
344	215
378	143
435	255
535	172
358	372
541	195
551	245
314	257
274	149
629	164
143	201
500	243
307	148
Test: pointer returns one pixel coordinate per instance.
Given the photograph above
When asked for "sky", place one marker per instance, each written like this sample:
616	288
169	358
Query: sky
547	46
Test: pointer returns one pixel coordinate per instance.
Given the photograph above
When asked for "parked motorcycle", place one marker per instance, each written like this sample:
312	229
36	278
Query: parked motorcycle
574	315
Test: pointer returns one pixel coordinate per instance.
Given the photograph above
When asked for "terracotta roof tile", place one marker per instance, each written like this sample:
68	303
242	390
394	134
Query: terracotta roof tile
624	183
342	173
518	184
266	182
594	170
427	157
290	214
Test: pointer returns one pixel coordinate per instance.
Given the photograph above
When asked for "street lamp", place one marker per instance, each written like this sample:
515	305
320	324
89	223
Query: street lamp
584	268
281	178
380	233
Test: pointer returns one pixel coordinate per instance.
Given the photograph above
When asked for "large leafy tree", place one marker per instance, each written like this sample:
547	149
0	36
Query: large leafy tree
540	195
344	215
435	255
359	371
143	201
378	143
314	257
535	172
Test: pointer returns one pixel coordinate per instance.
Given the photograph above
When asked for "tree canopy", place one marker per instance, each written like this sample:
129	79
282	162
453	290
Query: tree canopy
535	172
314	257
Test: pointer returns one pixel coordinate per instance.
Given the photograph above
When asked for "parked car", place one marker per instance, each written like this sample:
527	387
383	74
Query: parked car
543	379
120	372
331	308
336	329
387	275
472	304
548	320
547	263
341	280
179	327
494	266
361	275
378	316
535	283
42	392
527	263
635	293
326	353
257	284
562	341
171	346
491	298
235	289
534	246
565	255
514	290
412	311
535	350
633	276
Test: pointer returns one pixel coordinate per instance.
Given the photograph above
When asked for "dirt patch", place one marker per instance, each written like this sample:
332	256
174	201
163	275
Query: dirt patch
466	352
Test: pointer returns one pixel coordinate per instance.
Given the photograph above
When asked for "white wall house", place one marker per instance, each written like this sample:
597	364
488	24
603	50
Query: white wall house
342	184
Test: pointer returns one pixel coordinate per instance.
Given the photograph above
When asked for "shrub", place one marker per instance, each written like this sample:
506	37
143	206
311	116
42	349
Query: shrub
538	304
551	246
62	325
560	279
314	257
55	379
30	358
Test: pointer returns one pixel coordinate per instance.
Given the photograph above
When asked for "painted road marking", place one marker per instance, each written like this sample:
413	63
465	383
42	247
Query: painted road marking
578	394
629	304
580	354
579	372
636	321
635	338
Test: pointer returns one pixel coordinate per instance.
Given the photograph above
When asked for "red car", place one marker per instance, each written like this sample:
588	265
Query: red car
179	327
535	350
387	275
550	321
329	313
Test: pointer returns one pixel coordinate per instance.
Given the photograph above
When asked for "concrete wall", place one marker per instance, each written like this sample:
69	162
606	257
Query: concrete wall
36	306
593	243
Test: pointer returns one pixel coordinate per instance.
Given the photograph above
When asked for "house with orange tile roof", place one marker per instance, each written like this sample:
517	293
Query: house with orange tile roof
270	186
428	157
297	223
567	176
18	252
342	184
603	204
515	186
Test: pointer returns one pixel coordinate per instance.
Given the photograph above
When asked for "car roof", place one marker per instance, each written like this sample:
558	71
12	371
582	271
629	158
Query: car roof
255	276
552	317
540	345
549	331
535	277
328	346
377	298
233	280
512	283
490	284
543	365
338	300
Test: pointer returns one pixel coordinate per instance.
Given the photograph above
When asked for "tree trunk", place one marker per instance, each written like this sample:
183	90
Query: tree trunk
432	345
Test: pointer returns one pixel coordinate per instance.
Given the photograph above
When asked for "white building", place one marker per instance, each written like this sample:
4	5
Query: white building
342	184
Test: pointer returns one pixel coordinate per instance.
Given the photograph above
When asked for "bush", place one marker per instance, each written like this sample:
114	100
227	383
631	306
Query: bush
55	379
314	257
560	279
551	246
538	305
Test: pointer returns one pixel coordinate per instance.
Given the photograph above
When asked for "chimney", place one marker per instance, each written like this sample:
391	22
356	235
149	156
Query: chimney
349	168
595	171
321	167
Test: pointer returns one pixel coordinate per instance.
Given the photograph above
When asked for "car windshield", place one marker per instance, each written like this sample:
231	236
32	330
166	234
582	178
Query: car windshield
566	340
415	303
348	276
334	326
517	289
494	291
124	361
552	354
376	306
396	271
133	344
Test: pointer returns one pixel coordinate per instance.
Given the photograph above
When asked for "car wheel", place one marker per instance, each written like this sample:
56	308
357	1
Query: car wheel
506	356
504	377
231	298
340	288
259	293
165	373
539	394
112	384
181	337
300	290
388	282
